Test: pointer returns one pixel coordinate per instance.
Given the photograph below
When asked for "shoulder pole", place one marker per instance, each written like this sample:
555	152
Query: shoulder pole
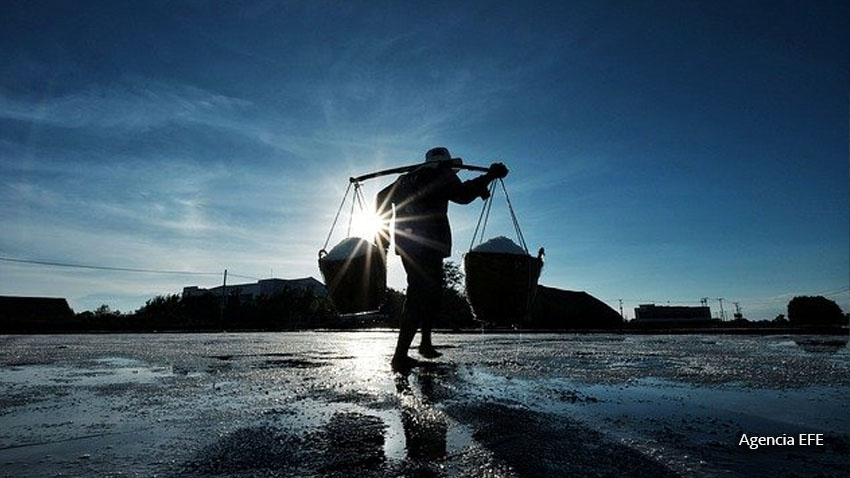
407	169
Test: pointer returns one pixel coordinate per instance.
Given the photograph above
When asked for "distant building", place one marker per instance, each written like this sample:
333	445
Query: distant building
267	287
666	314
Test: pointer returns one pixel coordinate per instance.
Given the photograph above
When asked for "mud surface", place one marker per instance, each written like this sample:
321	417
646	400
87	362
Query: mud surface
327	404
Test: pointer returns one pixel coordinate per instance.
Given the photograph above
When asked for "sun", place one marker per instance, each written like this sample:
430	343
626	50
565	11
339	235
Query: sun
366	224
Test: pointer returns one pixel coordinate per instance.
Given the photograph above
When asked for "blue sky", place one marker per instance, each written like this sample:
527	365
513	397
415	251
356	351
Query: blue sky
659	151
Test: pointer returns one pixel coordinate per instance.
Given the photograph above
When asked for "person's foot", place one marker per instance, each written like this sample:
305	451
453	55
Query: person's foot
403	364
429	351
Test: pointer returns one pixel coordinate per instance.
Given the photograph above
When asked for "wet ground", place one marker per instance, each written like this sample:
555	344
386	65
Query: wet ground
327	404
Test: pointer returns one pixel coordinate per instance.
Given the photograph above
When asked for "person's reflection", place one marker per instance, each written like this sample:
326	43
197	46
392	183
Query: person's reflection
828	345
425	427
426	384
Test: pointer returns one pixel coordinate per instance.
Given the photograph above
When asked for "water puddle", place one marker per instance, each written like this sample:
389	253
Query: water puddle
98	372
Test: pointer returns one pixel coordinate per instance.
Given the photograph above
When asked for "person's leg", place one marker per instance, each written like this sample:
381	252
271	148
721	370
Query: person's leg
433	271
414	303
406	332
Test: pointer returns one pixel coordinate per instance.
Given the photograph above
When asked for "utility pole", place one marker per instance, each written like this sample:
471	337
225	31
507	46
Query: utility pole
223	295
722	313
621	309
703	301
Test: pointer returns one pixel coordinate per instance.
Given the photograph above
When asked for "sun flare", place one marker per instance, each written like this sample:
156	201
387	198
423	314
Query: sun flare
365	224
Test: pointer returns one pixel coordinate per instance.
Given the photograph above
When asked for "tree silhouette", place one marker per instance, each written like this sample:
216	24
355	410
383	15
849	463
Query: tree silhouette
807	311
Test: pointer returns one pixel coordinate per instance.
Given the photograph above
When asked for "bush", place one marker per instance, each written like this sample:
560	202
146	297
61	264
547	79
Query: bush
808	311
455	312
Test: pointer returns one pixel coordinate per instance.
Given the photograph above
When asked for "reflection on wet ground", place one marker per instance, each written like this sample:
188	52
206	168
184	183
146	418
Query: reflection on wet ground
327	404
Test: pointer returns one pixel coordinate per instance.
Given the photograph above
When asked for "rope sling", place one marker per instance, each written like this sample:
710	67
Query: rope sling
357	199
485	215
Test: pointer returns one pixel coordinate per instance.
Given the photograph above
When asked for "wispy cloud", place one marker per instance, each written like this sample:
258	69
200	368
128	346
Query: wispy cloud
135	105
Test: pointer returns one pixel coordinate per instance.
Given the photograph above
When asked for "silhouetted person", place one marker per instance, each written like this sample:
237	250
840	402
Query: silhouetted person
423	238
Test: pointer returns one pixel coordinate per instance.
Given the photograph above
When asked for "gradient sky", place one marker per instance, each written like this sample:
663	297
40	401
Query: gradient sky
660	151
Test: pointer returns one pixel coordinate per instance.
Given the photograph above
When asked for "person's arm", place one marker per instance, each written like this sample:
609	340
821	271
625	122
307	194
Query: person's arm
467	191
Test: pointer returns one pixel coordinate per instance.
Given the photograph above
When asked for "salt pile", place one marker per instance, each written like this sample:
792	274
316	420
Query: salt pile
348	248
502	245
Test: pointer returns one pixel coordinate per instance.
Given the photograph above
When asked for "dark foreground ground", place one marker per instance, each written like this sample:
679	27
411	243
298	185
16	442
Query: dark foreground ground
326	404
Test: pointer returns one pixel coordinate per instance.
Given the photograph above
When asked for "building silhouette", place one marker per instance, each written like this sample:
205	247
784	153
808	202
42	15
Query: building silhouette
265	287
651	314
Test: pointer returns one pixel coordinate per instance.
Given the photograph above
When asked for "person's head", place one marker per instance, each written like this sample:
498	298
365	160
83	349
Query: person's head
440	156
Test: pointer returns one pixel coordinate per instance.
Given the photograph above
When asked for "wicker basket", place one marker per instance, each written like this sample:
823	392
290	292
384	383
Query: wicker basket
501	287
356	284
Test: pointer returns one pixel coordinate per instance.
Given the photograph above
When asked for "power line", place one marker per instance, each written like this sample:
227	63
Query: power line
116	269
833	291
655	301
761	301
790	295
242	277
